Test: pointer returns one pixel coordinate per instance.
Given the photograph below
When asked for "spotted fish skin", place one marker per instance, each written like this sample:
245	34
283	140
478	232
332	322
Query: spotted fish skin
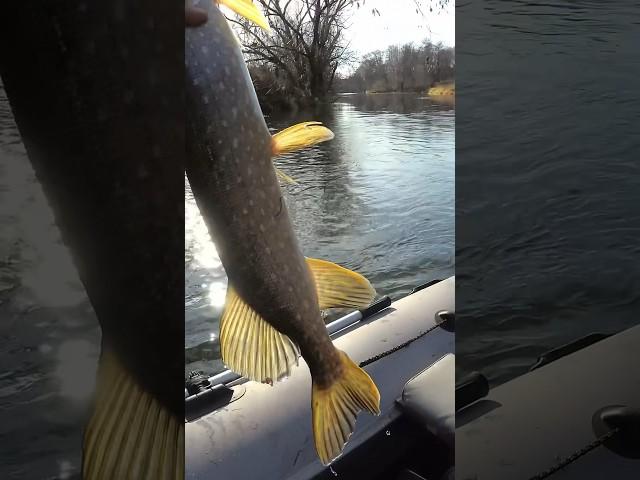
272	311
96	90
230	169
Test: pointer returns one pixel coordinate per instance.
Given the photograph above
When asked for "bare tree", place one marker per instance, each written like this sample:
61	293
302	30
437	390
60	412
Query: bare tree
299	58
393	67
306	44
402	68
409	59
372	70
440	61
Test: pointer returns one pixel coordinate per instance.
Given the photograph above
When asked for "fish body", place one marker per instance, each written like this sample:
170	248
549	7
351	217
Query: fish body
104	134
230	170
275	294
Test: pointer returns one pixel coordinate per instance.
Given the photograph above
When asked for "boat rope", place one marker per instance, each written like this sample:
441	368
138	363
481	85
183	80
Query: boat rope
577	454
399	347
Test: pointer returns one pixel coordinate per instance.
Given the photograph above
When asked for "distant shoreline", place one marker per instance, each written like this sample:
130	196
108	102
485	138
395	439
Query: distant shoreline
277	103
381	92
445	89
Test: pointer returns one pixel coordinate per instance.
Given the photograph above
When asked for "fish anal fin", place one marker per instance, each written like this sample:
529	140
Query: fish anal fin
337	286
250	346
335	408
130	434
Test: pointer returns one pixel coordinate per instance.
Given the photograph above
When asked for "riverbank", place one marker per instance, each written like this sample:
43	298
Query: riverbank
273	100
445	89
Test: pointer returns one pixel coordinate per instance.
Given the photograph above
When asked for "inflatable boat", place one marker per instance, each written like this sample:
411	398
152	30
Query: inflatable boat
574	416
240	430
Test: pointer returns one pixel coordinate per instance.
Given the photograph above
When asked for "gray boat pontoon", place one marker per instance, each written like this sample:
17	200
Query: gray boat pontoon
574	416
238	429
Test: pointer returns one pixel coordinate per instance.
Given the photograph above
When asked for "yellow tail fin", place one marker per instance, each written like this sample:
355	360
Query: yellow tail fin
334	409
248	10
299	136
130	435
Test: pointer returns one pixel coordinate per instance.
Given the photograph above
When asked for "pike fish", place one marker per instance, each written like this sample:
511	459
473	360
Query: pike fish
275	294
104	134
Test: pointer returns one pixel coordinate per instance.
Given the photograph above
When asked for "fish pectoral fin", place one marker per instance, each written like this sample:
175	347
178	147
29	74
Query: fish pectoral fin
338	286
130	434
299	136
250	346
284	177
334	409
248	10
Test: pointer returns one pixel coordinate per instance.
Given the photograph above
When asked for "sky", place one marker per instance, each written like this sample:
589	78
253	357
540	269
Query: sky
399	23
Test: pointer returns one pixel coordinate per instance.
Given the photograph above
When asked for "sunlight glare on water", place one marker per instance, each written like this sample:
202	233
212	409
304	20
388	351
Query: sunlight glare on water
66	470
51	337
217	294
197	238
205	287
76	369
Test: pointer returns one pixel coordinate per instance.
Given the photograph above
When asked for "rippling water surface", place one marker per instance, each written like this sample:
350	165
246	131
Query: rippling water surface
49	336
378	199
547	243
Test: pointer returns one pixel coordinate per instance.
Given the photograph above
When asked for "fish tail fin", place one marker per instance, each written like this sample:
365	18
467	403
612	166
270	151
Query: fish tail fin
299	136
335	408
130	434
337	286
248	10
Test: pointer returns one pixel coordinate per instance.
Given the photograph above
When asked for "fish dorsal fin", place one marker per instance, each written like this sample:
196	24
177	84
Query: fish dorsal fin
338	286
299	136
248	10
130	434
252	347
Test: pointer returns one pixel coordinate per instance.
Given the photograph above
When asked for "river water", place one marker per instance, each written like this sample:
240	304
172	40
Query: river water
378	199
547	170
49	335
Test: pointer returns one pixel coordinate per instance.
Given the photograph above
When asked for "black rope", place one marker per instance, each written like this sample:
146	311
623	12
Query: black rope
399	347
574	456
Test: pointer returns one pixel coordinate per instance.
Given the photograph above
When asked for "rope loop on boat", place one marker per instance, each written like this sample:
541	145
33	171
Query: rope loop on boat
399	347
576	455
